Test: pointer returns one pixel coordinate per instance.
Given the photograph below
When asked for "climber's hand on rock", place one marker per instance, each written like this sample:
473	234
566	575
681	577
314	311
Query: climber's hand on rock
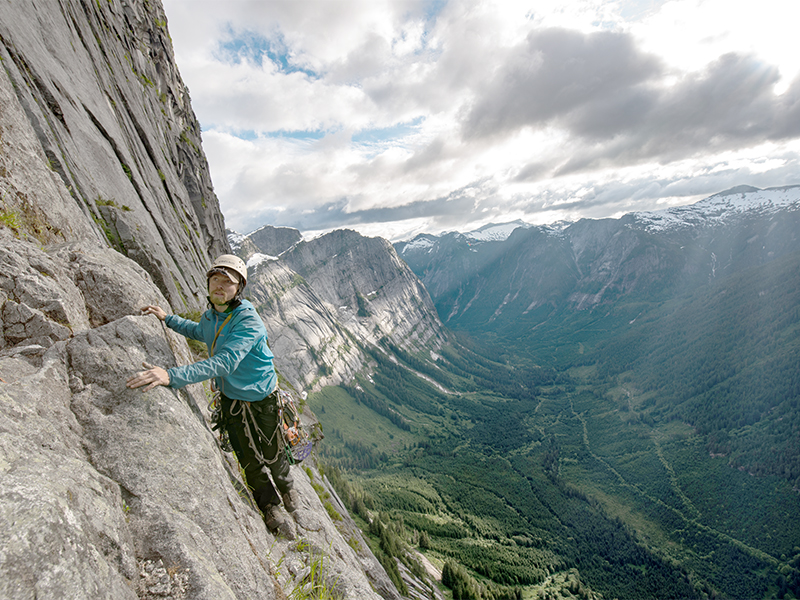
151	309
152	377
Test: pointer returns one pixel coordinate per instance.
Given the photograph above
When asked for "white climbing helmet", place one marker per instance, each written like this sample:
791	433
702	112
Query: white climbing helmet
234	263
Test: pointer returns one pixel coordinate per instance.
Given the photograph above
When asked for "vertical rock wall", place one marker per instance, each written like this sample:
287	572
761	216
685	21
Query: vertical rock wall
106	204
99	140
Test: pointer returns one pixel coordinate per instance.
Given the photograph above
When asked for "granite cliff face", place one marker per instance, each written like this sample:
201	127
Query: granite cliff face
326	299
99	140
106	204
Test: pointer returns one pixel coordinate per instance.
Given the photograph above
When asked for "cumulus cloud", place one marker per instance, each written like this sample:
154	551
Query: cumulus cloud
426	114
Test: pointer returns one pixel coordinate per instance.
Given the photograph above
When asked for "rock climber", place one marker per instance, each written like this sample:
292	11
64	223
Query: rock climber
240	367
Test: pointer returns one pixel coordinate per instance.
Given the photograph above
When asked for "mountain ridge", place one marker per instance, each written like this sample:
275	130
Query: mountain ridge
722	206
752	197
593	262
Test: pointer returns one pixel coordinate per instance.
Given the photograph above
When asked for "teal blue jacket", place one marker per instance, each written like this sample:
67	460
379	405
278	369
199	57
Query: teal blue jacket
241	363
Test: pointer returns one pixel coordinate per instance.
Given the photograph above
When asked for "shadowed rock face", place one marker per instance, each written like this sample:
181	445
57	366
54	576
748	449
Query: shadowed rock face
106	205
324	300
99	139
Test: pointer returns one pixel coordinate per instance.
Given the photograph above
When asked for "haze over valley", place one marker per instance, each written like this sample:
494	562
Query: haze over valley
614	396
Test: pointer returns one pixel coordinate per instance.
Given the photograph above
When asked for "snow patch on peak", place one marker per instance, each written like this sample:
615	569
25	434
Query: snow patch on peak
719	207
496	232
418	244
753	199
257	259
235	239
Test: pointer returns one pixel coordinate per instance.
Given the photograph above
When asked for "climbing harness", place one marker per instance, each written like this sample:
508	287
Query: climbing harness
245	409
294	441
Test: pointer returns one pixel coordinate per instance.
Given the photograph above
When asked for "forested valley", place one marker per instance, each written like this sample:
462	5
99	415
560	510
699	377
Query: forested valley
645	451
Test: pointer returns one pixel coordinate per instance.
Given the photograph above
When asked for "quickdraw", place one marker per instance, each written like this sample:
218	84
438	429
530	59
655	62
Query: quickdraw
296	442
217	423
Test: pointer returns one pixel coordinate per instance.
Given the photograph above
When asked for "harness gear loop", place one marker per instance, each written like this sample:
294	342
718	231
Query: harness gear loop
248	419
218	422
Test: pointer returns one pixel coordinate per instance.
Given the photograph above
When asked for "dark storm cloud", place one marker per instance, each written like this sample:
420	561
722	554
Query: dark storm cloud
732	100
730	105
556	72
610	98
336	214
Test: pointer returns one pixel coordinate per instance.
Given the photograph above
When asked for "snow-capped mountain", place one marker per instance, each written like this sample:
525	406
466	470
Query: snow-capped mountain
716	209
531	271
496	232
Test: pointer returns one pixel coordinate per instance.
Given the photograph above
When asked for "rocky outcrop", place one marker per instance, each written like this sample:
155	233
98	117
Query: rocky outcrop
109	492
106	205
274	241
50	296
99	141
374	292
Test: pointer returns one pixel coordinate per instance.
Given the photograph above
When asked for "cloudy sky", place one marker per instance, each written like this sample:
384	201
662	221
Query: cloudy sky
397	117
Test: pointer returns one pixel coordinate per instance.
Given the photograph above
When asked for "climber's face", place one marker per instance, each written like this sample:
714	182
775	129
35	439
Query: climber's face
221	290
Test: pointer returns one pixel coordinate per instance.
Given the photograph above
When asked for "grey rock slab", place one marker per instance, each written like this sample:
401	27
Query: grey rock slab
31	276
96	479
182	507
112	285
67	538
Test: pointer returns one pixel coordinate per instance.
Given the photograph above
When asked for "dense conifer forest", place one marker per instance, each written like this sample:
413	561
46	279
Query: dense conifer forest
650	450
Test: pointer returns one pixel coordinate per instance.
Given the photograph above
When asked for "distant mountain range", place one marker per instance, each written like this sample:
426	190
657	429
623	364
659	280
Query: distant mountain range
697	304
492	278
639	370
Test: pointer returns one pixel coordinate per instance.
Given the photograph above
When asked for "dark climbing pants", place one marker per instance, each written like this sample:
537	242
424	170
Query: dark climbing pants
252	428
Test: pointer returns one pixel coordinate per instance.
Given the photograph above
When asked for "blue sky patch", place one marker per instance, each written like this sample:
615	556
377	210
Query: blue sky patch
251	135
309	134
248	135
378	135
254	47
433	9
